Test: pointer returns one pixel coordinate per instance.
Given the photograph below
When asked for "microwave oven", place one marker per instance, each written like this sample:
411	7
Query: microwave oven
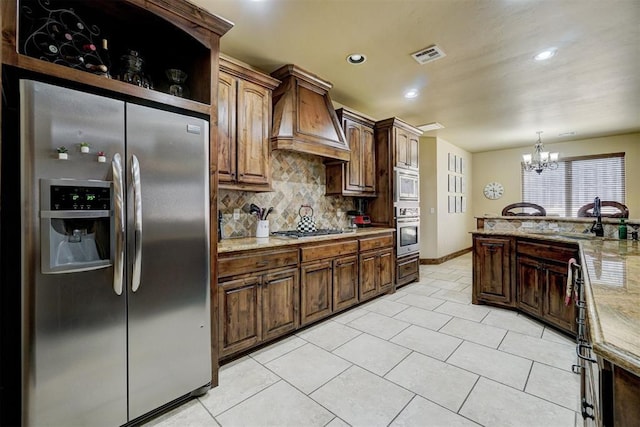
406	186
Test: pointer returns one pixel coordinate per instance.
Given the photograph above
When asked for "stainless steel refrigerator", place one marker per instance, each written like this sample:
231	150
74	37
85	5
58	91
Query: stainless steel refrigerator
115	257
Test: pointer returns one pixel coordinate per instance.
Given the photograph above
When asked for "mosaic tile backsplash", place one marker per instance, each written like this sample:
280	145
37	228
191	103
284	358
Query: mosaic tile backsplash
297	179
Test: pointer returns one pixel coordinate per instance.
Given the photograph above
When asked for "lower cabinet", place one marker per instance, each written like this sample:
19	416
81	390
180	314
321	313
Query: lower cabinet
542	282
493	280
407	269
376	266
258	298
329	279
528	274
265	294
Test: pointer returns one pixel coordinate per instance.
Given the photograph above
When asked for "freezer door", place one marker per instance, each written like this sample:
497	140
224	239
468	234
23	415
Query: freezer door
74	324
168	257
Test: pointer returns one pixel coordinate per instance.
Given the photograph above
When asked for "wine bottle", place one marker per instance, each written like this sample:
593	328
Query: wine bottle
89	47
105	57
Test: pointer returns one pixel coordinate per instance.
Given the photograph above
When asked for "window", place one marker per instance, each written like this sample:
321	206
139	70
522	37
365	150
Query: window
576	182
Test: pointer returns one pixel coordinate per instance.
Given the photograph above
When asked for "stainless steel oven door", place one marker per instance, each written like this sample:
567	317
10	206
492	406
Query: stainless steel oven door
406	186
407	235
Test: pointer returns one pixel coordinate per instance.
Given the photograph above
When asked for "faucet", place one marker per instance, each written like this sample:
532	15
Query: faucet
597	227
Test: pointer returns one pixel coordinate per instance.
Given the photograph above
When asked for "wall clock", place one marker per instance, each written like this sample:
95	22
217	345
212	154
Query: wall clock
493	190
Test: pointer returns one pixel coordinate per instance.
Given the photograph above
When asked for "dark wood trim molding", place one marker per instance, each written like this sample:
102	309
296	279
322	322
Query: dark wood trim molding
433	261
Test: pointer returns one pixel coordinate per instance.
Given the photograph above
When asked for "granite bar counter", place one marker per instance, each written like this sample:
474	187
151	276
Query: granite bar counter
249	243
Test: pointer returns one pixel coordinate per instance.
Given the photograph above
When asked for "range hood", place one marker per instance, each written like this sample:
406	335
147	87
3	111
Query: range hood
303	116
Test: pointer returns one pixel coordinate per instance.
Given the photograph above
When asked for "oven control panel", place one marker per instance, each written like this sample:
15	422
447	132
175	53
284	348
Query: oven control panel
407	212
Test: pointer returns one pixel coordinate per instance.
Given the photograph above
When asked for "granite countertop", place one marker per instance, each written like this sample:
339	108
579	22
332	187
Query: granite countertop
249	243
612	286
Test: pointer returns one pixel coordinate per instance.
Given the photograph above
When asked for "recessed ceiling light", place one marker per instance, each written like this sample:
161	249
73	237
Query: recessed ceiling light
566	134
431	126
412	93
545	54
356	58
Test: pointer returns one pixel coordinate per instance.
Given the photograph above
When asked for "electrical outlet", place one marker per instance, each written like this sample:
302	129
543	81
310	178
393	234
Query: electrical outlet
236	213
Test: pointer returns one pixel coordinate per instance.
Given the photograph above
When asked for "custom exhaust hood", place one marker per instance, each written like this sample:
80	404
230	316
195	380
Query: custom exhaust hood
303	116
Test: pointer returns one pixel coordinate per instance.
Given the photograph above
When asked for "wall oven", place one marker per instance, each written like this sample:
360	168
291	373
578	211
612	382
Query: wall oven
407	229
406	186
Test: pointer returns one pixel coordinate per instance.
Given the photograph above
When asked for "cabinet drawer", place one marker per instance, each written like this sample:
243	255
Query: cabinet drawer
376	242
255	262
328	250
548	251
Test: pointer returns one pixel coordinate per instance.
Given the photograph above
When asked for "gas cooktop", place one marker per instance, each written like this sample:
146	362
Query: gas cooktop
295	234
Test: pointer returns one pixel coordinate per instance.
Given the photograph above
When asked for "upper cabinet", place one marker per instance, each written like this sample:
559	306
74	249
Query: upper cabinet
67	40
356	177
406	148
244	125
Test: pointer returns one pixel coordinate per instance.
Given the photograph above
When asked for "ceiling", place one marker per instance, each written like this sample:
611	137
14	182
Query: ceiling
487	91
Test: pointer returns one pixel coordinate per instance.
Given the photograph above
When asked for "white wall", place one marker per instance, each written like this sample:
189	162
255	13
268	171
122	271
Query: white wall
442	233
504	166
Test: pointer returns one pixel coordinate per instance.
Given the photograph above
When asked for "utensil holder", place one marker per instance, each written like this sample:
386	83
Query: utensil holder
262	229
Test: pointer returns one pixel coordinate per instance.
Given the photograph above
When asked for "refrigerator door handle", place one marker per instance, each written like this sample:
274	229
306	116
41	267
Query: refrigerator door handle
137	223
118	207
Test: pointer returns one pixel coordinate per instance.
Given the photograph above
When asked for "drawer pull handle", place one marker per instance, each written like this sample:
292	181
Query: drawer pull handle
262	263
585	407
579	348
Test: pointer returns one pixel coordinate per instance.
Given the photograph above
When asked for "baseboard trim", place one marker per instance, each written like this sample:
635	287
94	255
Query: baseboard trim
429	261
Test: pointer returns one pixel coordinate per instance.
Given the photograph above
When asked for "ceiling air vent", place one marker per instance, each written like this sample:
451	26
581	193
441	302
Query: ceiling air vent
428	54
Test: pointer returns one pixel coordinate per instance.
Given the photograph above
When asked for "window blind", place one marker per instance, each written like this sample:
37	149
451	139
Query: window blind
576	182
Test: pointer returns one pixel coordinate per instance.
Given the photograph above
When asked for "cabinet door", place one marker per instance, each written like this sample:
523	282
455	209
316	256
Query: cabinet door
280	296
226	128
353	179
239	310
385	270
402	148
345	282
254	104
368	273
529	279
492	270
368	160
413	153
315	291
553	308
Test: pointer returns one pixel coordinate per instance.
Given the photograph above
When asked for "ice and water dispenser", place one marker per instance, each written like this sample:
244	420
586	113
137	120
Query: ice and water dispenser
75	225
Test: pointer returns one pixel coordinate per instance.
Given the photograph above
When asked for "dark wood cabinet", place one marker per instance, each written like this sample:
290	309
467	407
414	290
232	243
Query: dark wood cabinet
279	303
542	282
529	274
244	127
239	314
529	292
492	270
258	296
329	274
376	266
357	176
345	282
407	269
316	291
407	144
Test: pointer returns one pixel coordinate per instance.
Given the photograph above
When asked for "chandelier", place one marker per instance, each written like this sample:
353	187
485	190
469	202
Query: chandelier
540	159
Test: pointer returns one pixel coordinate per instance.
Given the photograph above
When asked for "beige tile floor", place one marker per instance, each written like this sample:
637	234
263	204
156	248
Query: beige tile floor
424	356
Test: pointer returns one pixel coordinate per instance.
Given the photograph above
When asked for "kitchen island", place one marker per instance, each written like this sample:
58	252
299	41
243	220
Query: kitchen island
270	287
611	275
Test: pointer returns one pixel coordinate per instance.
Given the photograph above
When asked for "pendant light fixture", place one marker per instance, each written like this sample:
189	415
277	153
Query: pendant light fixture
540	160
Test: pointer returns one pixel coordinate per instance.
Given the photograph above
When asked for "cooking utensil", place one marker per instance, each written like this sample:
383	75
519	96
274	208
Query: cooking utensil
267	213
254	209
